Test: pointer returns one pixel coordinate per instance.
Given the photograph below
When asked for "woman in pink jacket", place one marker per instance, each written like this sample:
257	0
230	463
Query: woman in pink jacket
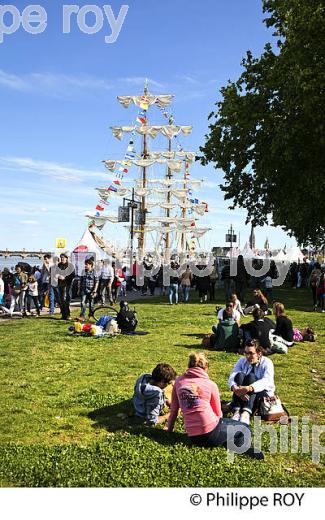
198	398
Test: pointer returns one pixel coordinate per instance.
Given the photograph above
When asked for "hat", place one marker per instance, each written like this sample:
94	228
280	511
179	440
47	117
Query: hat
64	254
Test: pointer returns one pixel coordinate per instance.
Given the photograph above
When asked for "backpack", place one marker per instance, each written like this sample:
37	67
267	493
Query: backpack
127	320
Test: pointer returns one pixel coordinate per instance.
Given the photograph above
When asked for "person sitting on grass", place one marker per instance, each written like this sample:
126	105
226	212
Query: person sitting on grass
237	305
283	323
259	300
259	329
282	336
198	398
230	306
252	377
226	333
149	397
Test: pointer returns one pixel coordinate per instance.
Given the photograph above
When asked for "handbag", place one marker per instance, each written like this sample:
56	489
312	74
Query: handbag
271	408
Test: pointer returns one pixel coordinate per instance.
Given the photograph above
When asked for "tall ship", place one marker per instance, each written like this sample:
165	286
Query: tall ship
159	207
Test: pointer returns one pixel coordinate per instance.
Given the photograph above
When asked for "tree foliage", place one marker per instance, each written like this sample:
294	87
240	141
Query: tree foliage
267	133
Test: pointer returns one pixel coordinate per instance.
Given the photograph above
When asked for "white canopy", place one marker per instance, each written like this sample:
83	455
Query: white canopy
281	257
87	244
294	254
247	252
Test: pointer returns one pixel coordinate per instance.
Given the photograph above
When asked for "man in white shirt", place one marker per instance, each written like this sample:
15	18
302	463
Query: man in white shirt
251	377
229	307
106	280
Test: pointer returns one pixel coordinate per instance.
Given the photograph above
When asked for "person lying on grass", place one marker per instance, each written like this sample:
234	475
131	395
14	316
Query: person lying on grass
198	398
149	396
252	377
259	329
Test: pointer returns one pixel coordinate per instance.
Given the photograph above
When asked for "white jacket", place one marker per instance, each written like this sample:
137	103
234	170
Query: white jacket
264	373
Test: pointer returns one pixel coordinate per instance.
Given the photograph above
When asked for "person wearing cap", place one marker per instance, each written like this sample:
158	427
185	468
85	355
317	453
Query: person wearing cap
63	289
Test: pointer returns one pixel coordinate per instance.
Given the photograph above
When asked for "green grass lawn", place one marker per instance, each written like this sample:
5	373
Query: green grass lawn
61	398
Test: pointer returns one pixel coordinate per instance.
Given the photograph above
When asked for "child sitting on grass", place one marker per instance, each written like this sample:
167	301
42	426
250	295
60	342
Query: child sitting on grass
149	397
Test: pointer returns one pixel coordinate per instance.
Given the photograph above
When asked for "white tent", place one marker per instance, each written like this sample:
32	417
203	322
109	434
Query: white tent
294	254
233	253
247	252
281	257
87	247
87	244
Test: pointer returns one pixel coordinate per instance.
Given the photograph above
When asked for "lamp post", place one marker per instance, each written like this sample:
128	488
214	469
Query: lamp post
231	237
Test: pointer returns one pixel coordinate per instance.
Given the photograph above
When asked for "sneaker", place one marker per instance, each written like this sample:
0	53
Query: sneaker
236	415
254	454
245	417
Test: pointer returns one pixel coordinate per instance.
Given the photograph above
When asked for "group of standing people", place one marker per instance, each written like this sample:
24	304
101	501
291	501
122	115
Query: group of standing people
205	284
51	285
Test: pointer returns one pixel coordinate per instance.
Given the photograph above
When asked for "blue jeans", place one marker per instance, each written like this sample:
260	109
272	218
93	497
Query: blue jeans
226	430
186	293
242	379
45	287
173	291
86	298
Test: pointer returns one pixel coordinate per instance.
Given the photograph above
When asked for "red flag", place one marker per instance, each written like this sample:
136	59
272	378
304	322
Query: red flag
117	181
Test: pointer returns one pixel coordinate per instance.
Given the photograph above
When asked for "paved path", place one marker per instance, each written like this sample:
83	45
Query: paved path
130	296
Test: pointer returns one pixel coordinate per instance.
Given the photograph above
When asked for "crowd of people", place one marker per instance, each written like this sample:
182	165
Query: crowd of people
22	289
41	287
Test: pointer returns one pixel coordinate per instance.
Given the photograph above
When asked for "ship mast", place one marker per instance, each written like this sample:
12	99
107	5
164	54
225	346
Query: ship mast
168	199
141	239
169	223
183	237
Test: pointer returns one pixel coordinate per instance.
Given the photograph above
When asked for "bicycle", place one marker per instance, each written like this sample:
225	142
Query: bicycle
105	310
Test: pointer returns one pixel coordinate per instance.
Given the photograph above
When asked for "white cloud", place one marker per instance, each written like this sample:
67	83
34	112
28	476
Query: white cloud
57	84
141	80
54	170
188	79
29	222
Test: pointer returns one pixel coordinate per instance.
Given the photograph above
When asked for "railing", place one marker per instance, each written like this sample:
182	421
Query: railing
23	253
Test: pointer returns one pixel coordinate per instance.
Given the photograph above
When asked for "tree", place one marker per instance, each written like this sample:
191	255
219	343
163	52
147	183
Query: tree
268	132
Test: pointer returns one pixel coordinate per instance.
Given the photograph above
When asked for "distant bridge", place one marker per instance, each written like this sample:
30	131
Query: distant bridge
24	254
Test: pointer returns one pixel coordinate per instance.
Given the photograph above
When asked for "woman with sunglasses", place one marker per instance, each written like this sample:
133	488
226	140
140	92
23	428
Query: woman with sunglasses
198	398
252	377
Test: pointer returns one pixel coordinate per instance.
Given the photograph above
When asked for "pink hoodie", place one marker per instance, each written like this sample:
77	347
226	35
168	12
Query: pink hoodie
198	398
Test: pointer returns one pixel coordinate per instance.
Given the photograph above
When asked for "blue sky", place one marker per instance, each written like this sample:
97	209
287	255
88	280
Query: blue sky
58	99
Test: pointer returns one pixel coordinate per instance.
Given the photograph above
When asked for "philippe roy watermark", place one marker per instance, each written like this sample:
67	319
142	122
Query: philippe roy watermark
287	438
151	264
89	19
